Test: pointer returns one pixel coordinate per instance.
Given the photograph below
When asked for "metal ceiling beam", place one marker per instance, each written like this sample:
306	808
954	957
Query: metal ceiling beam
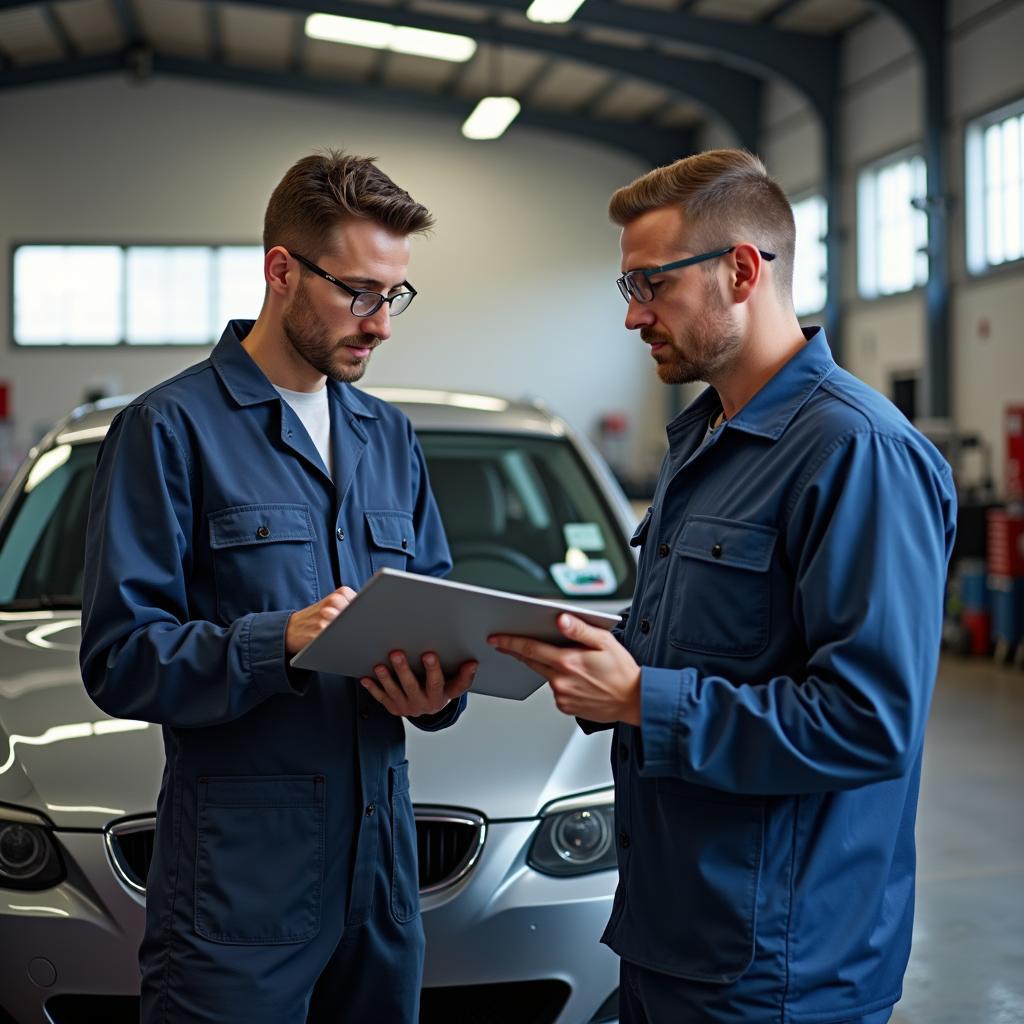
56	26
656	146
807	62
595	99
777	11
728	94
731	95
214	30
125	15
534	82
459	75
298	48
925	20
651	144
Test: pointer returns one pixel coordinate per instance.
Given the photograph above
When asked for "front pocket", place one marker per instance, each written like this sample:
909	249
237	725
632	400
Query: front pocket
263	559
405	889
693	903
720	587
392	539
259	859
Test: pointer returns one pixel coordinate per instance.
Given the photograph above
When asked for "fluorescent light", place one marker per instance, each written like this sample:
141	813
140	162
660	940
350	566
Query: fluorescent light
490	118
550	11
380	35
354	31
439	45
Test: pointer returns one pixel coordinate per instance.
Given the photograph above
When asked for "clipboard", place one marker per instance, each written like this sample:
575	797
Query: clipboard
404	611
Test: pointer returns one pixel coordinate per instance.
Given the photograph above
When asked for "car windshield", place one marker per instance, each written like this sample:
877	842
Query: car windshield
521	513
524	514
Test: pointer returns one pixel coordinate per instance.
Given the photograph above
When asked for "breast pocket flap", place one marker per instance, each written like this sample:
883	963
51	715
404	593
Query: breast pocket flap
260	524
728	542
392	530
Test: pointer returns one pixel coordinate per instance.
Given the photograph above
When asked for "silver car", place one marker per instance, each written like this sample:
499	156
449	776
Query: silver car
514	805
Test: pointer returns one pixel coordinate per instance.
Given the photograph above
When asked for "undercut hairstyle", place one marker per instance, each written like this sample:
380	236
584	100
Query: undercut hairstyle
726	196
324	190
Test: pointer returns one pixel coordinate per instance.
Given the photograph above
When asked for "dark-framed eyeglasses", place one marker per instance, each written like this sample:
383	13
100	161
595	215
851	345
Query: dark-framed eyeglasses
635	284
365	303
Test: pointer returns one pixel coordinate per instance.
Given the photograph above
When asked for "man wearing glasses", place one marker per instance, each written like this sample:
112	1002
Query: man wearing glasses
236	510
770	686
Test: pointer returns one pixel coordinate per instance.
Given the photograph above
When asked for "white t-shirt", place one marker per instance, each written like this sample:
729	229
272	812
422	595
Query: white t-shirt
313	409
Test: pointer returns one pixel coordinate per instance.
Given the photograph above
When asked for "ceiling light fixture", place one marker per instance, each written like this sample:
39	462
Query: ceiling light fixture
552	11
491	116
381	35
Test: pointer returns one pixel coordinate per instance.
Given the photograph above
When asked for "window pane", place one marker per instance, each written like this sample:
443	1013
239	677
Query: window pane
995	188
67	295
239	285
811	257
1011	190
169	294
892	230
919	220
994	195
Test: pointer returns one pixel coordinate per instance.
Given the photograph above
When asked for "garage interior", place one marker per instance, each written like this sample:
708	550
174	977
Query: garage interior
896	127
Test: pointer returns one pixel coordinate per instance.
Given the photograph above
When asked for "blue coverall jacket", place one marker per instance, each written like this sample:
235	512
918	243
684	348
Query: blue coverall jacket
212	519
787	620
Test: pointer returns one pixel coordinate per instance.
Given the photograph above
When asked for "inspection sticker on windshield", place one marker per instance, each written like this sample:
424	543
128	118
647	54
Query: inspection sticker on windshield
594	579
583	536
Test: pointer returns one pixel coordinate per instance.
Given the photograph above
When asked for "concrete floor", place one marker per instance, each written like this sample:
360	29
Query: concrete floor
967	964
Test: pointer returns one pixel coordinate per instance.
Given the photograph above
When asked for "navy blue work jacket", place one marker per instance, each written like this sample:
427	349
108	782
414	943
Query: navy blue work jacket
787	620
212	519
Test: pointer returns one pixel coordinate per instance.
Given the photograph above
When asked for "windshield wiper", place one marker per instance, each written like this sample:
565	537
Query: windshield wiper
43	602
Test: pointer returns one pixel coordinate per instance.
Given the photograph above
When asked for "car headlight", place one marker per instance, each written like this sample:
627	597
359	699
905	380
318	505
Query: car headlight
576	836
29	858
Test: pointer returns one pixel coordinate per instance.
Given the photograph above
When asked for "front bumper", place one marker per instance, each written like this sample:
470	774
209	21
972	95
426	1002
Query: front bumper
504	937
507	923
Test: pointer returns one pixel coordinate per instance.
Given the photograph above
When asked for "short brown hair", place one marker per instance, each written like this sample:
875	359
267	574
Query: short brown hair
325	189
726	195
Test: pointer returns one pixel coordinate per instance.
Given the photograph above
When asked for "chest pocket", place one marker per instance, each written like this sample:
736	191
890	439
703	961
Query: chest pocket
263	559
720	587
392	540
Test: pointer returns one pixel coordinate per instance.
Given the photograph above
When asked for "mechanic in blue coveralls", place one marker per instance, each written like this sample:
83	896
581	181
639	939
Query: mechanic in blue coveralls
770	687
237	508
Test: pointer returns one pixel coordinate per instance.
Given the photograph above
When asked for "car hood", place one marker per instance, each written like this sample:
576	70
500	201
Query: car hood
63	757
59	754
507	758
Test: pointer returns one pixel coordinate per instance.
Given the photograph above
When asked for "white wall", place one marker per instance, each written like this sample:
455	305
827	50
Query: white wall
882	111
517	292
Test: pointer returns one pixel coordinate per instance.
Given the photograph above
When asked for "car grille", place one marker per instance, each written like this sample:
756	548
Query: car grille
448	843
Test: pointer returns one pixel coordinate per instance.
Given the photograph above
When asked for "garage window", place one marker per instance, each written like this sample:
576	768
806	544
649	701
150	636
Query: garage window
995	188
810	260
892	226
132	295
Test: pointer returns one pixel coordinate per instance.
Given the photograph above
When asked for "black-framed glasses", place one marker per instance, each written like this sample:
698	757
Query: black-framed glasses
635	284
365	303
